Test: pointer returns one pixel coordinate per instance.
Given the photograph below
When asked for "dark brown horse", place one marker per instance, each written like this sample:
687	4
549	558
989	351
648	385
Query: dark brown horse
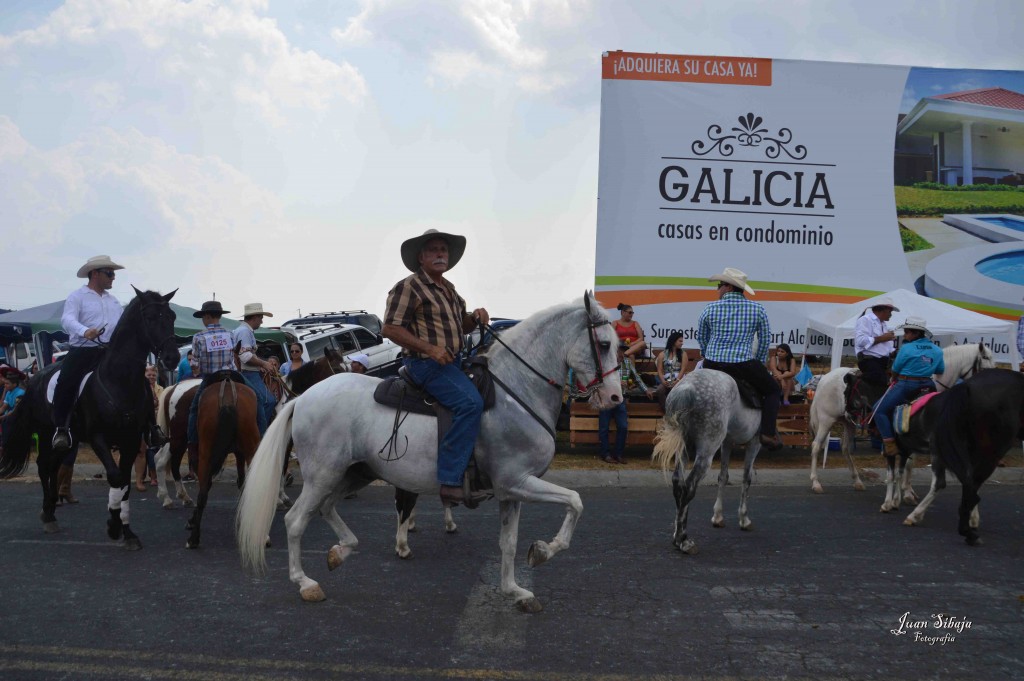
226	422
172	415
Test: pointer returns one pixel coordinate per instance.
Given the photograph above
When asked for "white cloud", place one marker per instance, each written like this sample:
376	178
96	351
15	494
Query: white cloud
355	31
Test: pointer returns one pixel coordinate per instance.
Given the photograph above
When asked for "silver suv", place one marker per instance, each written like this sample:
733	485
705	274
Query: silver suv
346	339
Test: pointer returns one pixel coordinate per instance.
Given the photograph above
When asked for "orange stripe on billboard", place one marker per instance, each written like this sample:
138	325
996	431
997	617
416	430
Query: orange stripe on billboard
686	69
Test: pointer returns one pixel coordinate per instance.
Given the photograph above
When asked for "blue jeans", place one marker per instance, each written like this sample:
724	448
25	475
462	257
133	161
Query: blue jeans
265	402
902	392
453	390
604	419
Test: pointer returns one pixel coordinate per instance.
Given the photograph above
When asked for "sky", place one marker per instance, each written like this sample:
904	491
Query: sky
280	152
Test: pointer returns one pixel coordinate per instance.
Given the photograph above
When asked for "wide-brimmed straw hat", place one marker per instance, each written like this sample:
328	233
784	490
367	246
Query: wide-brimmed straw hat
210	307
915	324
97	262
885	302
411	248
733	276
255	308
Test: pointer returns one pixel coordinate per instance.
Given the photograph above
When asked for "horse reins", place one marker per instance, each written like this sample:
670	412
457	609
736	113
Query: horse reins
974	368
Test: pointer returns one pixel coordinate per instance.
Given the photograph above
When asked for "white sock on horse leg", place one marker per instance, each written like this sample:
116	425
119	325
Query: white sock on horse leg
115	496
124	512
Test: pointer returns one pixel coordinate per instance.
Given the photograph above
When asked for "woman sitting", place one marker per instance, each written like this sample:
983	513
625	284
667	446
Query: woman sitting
915	363
783	368
629	331
671	364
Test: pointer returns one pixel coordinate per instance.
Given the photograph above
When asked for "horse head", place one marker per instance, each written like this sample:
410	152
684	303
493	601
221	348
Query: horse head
985	359
860	396
593	357
333	362
150	314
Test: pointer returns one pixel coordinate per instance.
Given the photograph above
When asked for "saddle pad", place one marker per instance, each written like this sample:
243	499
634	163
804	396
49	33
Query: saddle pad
52	385
901	418
918	404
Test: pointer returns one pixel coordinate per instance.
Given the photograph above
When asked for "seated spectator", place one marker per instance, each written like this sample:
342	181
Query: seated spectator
13	392
784	368
185	367
629	331
671	365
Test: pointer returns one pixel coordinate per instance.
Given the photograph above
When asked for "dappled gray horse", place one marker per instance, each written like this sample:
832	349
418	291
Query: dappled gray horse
342	435
704	415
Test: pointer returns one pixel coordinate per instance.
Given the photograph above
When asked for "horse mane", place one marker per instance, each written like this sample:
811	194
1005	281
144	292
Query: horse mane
132	310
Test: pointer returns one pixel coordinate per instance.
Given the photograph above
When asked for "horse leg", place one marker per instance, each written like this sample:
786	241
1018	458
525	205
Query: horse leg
181	492
47	465
938	483
968	502
753	448
405	505
162	459
128	452
684	495
909	495
449	520
295	522
346	539
284	502
847	444
535	489
717	519
818	446
509	538
891	484
205	481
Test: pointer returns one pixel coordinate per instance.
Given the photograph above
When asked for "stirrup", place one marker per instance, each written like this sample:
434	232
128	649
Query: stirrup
155	437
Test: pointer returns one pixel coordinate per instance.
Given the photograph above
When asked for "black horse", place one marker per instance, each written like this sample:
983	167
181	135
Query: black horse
112	412
968	429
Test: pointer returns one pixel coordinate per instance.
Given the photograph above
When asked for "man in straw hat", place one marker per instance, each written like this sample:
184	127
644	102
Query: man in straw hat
874	342
427	317
253	367
90	316
915	363
726	330
212	351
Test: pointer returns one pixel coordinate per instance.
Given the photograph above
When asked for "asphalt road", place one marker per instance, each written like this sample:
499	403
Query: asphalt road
815	591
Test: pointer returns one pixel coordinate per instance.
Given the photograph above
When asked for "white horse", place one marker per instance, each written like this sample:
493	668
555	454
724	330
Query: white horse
342	435
829	406
704	415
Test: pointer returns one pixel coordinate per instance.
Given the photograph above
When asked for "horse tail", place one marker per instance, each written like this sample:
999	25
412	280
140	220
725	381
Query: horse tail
259	495
949	440
17	443
670	440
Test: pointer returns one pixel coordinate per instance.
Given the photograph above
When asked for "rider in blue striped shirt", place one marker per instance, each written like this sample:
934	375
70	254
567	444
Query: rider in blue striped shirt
726	330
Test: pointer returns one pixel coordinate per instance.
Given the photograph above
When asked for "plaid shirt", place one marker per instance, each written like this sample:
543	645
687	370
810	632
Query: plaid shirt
727	327
208	360
429	311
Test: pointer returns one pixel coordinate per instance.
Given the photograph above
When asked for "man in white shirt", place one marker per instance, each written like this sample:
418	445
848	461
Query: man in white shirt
873	342
90	315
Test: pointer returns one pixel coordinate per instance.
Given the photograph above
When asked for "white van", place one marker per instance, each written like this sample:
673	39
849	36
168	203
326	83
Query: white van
346	339
21	356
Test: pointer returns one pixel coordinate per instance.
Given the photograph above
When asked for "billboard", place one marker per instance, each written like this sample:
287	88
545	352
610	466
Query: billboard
827	183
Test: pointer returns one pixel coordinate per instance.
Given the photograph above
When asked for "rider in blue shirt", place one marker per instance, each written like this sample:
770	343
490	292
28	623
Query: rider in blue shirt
916	362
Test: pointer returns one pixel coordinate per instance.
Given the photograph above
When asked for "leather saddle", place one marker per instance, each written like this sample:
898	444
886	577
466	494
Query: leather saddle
226	375
748	396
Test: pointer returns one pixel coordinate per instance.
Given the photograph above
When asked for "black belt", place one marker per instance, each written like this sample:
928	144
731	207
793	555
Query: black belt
913	378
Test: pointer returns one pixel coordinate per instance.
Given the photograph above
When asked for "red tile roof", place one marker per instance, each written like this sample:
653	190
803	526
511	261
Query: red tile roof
990	96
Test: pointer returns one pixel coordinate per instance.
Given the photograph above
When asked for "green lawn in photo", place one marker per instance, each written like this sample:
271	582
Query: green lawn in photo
912	241
914	202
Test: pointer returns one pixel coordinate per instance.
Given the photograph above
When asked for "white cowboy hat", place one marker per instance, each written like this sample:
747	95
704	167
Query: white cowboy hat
733	276
255	308
915	324
885	302
360	357
97	262
411	248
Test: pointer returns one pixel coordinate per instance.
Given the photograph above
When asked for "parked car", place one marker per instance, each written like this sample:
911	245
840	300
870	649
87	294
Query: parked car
19	355
362	318
346	339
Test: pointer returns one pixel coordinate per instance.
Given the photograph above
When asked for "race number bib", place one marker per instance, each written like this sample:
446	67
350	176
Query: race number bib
218	341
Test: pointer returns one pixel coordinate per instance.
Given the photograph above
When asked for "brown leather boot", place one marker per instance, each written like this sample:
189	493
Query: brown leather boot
64	475
890	448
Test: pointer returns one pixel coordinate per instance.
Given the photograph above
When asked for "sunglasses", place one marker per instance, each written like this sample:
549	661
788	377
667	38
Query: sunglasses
296	352
109	273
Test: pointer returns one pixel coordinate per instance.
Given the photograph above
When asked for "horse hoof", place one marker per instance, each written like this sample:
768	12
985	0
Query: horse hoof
168	504
404	554
190	545
267	543
132	544
113	530
451	529
689	547
313	594
538	554
51	527
717	522
747	526
858	486
911	499
530	605
974	540
337	555
884	509
816	488
909	522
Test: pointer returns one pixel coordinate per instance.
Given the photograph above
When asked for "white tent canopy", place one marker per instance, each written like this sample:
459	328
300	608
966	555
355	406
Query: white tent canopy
949	323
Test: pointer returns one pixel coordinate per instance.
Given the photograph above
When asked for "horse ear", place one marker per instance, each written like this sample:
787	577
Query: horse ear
170	295
137	291
586	300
